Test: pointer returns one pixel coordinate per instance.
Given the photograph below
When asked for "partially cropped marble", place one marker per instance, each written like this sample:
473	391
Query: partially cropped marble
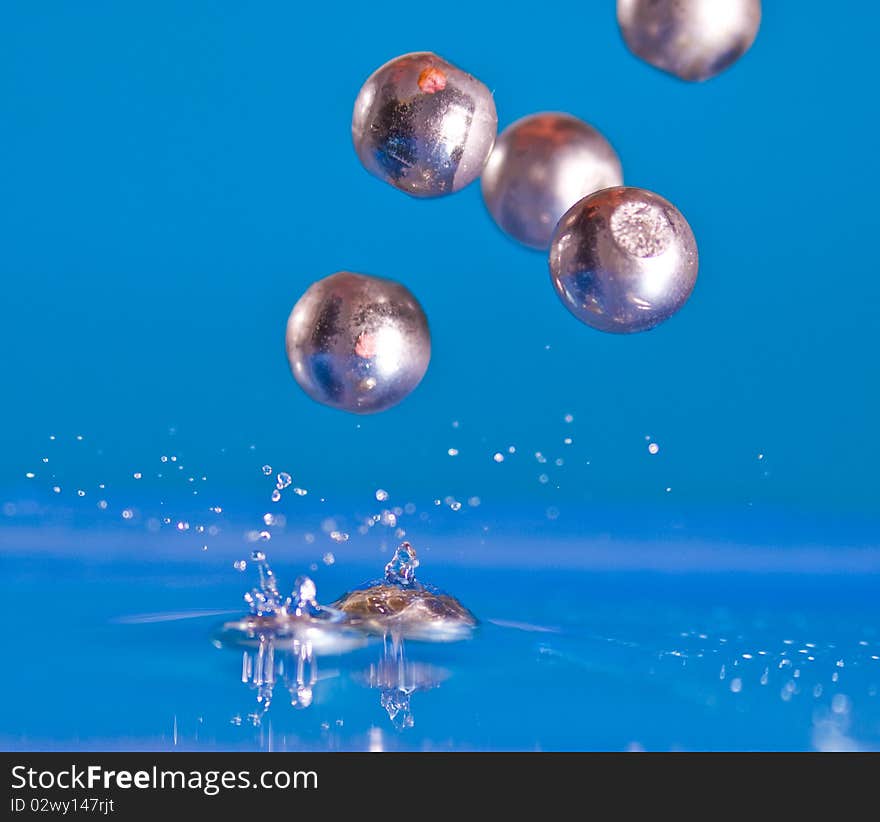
692	39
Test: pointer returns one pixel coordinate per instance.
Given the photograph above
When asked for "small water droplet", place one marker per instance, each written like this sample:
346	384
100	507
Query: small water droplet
381	495
329	558
276	495
283	480
453	452
137	475
498	457
267	470
240	565
653	448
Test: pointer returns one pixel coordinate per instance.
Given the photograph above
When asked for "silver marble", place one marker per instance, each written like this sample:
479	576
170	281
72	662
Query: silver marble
541	166
692	39
423	125
358	343
623	260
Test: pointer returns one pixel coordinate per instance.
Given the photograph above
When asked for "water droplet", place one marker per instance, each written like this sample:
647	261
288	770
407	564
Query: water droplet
269	519
543	479
102	504
498	457
474	502
453	452
402	567
653	448
265	536
339	536
80	493
300	492
240	565
329	558
569	418
455	505
381	495
137	475
30	475
127	513
56	489
736	685
283	480
267	469
276	495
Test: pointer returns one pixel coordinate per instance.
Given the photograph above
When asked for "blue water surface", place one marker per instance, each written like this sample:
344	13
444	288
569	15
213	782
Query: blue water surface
585	643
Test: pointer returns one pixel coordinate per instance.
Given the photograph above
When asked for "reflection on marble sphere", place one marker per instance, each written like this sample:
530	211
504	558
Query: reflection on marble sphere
358	343
541	166
692	39
423	125
623	260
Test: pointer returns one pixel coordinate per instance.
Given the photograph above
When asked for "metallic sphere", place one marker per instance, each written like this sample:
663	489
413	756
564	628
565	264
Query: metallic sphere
358	343
540	167
423	125
623	260
692	39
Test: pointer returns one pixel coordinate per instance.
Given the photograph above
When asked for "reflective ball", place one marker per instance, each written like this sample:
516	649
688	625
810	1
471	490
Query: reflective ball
541	166
358	343
692	39
623	260
423	125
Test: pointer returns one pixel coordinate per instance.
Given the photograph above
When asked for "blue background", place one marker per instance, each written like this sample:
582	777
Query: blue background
174	176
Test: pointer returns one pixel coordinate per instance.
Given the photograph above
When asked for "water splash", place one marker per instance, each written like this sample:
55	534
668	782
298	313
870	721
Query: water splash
265	599
401	570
